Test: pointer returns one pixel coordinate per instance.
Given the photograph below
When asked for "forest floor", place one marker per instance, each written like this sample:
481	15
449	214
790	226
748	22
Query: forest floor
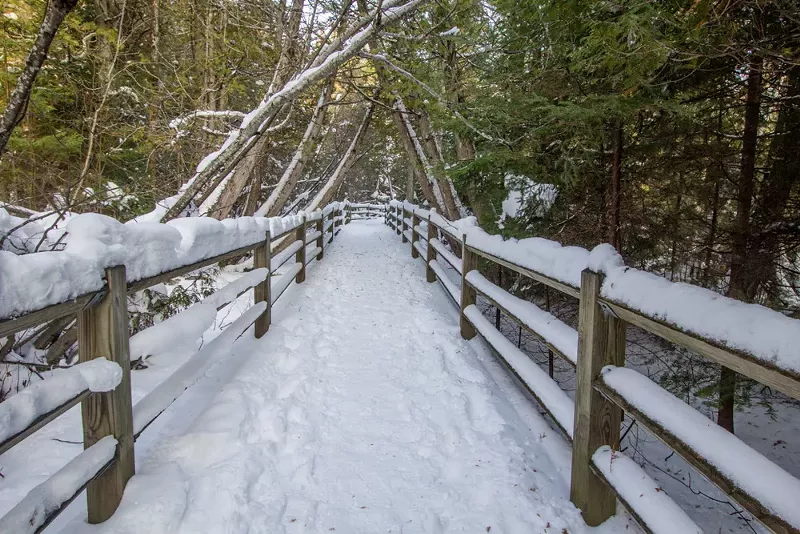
362	410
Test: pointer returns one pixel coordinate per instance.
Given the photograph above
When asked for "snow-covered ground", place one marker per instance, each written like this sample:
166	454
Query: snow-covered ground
362	410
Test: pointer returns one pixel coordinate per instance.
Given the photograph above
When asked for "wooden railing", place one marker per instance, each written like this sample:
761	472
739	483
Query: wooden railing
110	423
605	388
364	211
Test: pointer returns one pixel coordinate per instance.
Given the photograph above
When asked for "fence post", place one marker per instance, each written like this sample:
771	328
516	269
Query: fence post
300	256
430	276
262	256
469	262
321	238
403	225
103	333
397	220
414	235
597	420
349	214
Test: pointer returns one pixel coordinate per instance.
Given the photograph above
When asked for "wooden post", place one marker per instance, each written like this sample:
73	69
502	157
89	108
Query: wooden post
414	235
321	238
430	276
397	220
103	333
469	261
300	256
262	256
349	215
403	226
597	420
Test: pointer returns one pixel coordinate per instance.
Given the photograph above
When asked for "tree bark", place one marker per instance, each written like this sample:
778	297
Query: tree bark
244	172
276	200
419	172
778	186
435	157
326	193
245	168
614	206
423	164
742	286
54	15
351	39
410	184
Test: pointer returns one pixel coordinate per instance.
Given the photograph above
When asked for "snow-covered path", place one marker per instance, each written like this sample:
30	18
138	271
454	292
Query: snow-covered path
361	411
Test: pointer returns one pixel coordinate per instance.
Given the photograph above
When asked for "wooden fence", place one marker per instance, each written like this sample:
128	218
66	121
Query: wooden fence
364	211
605	388
102	319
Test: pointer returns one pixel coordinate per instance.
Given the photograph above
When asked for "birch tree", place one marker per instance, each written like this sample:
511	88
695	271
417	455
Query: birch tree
335	180
54	15
330	57
288	180
245	171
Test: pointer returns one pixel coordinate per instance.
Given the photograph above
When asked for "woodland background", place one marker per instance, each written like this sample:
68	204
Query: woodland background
669	129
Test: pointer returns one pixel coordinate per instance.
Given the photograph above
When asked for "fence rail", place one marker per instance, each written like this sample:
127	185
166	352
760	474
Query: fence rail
107	410
365	211
604	388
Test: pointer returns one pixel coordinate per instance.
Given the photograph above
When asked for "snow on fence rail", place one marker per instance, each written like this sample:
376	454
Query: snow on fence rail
750	339
364	211
101	265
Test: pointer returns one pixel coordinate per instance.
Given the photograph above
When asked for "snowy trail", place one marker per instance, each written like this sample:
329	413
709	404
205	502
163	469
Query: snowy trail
361	411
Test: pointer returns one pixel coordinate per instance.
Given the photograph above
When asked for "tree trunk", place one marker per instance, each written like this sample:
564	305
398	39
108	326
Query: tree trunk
326	193
614	209
713	174
410	184
245	168
18	101
434	156
421	157
222	206
676	219
333	55
253	195
778	185
285	186
419	172
742	286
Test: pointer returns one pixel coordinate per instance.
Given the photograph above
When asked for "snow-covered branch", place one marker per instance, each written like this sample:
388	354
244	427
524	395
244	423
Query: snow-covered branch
344	165
386	61
238	143
420	153
178	124
288	179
